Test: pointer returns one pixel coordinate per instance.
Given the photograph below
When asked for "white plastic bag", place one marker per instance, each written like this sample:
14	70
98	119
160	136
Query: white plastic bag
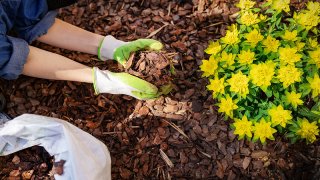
86	157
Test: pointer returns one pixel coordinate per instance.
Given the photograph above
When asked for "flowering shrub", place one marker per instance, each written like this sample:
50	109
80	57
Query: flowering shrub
264	72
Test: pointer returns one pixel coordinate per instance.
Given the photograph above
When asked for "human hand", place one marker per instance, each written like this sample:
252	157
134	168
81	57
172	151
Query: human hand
111	48
123	83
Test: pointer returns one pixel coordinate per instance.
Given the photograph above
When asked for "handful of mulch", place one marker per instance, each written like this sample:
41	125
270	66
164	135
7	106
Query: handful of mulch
154	67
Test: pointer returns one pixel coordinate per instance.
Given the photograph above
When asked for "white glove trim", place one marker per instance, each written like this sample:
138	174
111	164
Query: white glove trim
104	82
108	46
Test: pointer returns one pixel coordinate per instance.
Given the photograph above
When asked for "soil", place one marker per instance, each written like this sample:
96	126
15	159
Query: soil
177	136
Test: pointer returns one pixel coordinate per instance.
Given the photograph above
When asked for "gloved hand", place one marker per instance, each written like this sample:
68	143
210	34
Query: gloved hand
123	83
112	48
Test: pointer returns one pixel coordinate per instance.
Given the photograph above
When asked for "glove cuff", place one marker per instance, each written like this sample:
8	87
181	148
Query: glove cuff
99	77
108	46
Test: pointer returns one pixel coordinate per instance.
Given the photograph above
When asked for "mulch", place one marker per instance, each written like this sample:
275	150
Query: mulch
179	135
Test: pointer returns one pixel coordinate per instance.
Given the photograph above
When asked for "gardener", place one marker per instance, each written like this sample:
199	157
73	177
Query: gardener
35	20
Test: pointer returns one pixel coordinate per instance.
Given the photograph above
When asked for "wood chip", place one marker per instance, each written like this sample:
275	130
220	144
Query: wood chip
259	154
246	162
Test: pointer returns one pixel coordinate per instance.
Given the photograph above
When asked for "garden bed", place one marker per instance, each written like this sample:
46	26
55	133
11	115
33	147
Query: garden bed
183	125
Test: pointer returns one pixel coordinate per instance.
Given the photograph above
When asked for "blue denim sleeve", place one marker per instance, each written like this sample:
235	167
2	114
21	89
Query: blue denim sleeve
33	19
13	56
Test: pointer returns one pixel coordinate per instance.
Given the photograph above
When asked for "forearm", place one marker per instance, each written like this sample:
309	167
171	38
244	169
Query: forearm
68	36
47	65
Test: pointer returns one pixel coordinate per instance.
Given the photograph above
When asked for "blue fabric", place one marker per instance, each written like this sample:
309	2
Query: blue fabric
29	19
13	54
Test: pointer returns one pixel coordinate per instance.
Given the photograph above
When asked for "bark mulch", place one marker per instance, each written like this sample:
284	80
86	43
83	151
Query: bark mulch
179	135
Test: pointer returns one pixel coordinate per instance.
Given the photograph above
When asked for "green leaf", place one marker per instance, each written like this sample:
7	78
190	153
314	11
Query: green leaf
221	70
172	70
304	89
293	128
268	93
270	11
290	135
235	49
316	107
293	140
280	129
249	108
165	89
304	34
256	10
315	31
291	20
276	94
305	112
260	115
242	28
247	113
278	22
266	4
254	139
273	18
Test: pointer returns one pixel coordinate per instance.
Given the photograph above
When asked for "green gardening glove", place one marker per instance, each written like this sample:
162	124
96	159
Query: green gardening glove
123	83
112	48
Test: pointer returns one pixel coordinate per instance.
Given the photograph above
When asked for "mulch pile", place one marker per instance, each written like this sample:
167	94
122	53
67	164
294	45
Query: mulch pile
155	67
179	135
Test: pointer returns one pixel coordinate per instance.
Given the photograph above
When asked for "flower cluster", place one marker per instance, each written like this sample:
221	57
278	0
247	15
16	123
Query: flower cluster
265	71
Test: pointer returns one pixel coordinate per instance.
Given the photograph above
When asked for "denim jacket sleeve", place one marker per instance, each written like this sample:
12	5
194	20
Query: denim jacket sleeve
33	19
13	55
30	19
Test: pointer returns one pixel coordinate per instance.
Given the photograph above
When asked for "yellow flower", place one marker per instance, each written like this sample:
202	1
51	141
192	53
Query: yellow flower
308	130
279	116
245	4
263	130
290	36
243	127
228	58
314	85
246	57
227	106
289	56
217	86
313	42
300	45
231	37
280	5
288	75
306	19
293	99
315	57
249	18
314	7
254	37
262	74
239	84
213	48
271	44
262	17
209	67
